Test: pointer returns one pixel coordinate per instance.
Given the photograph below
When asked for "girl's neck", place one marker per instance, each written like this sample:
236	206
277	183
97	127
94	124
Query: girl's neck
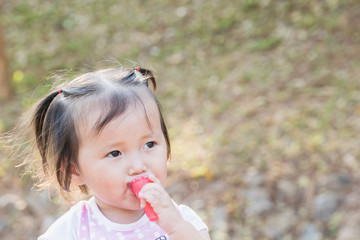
120	215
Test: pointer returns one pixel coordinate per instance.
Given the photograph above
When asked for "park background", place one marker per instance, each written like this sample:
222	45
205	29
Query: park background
261	98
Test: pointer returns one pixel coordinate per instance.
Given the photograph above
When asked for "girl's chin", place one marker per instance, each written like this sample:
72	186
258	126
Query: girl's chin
136	208
135	202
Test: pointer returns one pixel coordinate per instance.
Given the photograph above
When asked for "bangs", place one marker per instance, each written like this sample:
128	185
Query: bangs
113	105
109	105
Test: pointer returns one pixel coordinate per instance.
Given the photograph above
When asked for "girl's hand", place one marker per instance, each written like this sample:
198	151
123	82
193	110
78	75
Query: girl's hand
155	194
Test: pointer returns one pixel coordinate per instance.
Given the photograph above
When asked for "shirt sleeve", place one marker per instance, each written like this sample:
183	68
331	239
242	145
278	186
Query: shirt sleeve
64	227
189	215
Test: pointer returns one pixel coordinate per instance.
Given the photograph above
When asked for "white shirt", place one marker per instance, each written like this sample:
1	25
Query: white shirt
84	221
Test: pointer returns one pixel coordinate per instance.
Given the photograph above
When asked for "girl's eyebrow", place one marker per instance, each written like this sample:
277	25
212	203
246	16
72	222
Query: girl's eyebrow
151	134
113	144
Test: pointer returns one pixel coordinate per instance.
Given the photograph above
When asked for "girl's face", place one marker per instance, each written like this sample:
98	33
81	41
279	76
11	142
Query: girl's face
128	147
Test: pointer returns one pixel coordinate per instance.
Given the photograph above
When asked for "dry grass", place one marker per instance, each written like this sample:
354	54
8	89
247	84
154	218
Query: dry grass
251	89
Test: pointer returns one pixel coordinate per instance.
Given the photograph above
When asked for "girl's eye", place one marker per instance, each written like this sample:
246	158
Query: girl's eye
149	145
114	154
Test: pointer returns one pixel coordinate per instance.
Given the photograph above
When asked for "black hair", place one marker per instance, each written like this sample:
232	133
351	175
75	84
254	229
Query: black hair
55	119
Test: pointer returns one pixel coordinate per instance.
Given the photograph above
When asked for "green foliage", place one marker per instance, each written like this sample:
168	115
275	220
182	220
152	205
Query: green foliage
266	44
247	86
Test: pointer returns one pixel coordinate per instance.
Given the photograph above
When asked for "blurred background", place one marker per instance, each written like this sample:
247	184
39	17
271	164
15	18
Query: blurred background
261	98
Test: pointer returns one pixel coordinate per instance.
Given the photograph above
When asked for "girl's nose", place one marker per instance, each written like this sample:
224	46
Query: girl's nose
137	167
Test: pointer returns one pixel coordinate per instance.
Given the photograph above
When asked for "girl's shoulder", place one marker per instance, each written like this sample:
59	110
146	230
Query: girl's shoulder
65	227
190	215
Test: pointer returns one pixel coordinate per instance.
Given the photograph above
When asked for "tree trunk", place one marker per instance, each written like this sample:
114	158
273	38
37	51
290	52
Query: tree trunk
5	87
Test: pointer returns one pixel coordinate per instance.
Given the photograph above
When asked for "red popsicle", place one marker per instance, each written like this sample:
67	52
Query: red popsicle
136	185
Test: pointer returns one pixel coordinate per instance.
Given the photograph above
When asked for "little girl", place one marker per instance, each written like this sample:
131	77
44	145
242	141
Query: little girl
101	131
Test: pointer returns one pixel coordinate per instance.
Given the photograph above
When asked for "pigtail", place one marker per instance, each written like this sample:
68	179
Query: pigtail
149	77
56	140
41	135
28	143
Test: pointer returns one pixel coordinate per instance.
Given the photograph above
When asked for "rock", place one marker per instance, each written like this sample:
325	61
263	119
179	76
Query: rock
287	191
339	182
243	232
9	201
311	232
4	223
325	205
257	201
352	200
253	178
278	224
350	229
46	222
220	221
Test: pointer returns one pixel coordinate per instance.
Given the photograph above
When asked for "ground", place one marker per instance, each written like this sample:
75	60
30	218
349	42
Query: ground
261	98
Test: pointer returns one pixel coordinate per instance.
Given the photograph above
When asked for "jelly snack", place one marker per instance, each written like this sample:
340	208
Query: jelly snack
136	185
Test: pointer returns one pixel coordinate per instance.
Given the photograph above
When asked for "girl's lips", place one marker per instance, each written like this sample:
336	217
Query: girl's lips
131	189
134	180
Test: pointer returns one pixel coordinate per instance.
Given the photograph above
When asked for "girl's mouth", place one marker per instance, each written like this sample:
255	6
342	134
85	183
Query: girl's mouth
131	189
135	181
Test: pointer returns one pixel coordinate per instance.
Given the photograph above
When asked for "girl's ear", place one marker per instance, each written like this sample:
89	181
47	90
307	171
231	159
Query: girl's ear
75	177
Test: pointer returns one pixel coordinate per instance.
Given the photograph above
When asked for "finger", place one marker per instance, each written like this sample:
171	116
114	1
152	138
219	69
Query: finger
154	179
149	194
153	199
151	189
142	203
153	186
